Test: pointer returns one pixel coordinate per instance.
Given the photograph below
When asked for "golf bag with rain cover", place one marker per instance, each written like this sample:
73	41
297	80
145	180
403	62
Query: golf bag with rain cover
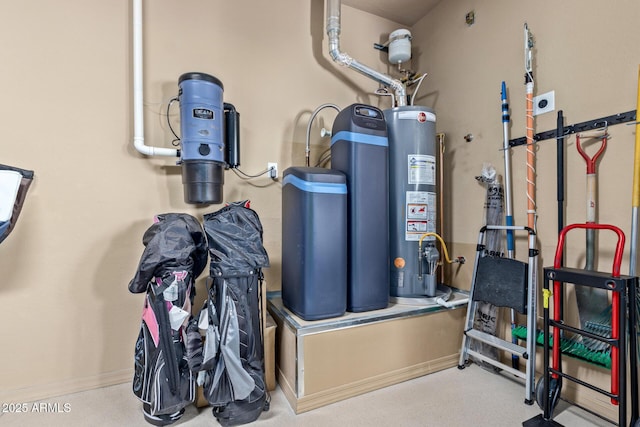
232	372
14	184
167	351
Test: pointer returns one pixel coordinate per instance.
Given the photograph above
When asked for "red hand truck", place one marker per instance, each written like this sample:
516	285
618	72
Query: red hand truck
623	323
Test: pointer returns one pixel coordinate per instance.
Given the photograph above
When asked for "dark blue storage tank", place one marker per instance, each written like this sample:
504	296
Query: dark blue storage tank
359	149
314	242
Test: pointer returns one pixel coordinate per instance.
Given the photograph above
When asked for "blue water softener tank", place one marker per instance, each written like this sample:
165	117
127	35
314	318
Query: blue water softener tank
359	149
202	142
314	242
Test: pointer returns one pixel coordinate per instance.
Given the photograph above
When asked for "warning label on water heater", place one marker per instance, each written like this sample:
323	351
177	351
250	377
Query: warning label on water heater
420	214
422	169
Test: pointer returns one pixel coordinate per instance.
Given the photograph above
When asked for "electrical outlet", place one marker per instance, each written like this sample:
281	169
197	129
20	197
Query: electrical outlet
273	170
544	103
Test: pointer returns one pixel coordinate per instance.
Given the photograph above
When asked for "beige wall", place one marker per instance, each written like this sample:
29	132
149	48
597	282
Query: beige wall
587	52
69	322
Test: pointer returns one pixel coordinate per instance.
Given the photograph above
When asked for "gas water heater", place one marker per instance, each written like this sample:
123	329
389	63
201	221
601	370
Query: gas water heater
209	141
412	200
413	256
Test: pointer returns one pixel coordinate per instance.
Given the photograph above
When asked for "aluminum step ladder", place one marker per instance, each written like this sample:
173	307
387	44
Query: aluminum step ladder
504	282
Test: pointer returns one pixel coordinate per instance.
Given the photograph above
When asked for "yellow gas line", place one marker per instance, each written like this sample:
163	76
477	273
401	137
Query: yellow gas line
444	246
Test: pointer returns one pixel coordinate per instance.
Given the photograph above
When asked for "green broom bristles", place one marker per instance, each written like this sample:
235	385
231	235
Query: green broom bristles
570	348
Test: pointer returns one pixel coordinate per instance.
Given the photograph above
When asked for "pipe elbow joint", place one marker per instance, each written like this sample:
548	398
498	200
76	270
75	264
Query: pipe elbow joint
398	87
334	51
138	144
341	58
147	150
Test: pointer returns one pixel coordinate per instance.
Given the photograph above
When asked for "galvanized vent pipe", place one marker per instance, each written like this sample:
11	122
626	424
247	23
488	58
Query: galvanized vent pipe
333	32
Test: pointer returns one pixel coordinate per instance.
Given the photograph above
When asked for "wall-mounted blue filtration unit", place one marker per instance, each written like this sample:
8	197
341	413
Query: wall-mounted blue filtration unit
359	149
202	143
314	242
412	196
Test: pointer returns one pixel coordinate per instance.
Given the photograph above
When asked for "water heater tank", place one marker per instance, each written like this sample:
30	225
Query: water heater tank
412	194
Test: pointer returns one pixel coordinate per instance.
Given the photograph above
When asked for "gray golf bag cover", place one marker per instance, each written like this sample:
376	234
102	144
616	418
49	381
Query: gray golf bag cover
14	184
167	352
233	359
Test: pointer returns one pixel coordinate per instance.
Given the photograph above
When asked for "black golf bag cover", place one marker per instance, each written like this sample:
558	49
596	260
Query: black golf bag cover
167	354
233	360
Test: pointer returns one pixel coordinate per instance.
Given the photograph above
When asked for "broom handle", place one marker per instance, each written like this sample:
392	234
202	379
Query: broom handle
531	161
508	203
507	171
560	169
633	254
531	154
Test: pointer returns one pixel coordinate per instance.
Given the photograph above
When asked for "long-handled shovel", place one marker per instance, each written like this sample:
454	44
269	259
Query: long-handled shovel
592	301
592	183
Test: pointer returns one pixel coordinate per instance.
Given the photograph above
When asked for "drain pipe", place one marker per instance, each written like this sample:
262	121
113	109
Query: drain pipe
333	32
138	112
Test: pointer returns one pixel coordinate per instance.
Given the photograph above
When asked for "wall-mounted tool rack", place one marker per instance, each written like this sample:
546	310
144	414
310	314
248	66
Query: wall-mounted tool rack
629	116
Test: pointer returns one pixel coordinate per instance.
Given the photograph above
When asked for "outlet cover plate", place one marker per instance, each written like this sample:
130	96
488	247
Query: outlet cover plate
544	103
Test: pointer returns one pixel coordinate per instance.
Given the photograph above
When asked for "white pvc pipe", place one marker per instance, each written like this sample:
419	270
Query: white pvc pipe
138	98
